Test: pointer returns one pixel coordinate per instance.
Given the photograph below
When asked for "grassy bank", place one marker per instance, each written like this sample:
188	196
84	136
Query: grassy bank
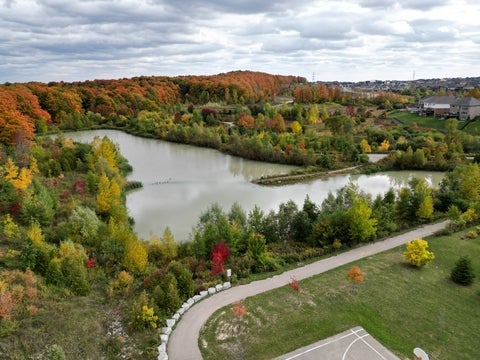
401	306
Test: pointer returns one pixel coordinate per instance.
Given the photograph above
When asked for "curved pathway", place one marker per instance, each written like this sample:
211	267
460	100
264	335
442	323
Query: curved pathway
183	342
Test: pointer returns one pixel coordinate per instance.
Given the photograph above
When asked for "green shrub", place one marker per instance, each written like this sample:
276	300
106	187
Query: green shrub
472	234
143	316
54	274
55	352
462	272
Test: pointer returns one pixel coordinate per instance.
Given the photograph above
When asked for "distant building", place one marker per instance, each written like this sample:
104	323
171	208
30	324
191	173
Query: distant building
466	108
462	108
435	105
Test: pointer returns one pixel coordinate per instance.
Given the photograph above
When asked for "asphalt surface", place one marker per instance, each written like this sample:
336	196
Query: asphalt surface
183	341
353	344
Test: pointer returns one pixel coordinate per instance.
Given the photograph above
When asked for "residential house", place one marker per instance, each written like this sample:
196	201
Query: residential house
466	108
436	105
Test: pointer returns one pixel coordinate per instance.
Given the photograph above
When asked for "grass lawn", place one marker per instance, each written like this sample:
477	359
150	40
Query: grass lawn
424	121
401	306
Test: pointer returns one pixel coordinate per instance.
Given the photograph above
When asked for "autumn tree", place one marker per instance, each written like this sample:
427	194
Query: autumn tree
246	121
15	126
312	114
384	146
365	146
417	253
220	253
361	225
296	127
355	274
136	256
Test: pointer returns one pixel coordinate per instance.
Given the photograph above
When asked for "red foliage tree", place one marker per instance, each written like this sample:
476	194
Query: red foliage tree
220	253
294	284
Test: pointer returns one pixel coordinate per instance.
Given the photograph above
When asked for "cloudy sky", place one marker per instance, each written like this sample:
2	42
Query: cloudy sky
345	40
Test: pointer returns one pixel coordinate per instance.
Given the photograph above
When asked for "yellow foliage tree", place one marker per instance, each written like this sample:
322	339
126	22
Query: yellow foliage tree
136	257
104	148
168	246
296	127
365	146
23	179
10	228
104	194
417	253
10	170
425	211
19	178
35	234
385	145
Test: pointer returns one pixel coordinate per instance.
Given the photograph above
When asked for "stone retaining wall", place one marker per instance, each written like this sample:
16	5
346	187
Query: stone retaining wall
170	323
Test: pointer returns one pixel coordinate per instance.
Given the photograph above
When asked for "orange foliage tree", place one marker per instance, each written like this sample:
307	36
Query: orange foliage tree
355	274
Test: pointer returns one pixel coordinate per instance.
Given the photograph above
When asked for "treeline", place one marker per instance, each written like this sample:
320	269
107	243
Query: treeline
33	106
233	113
321	93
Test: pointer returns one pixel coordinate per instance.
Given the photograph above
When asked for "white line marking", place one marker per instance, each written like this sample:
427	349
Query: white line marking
352	332
353	342
365	342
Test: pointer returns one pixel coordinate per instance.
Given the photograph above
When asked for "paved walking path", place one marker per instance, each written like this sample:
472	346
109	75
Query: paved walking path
183	342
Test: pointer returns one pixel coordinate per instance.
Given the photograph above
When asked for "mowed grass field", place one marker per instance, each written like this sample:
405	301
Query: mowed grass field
401	306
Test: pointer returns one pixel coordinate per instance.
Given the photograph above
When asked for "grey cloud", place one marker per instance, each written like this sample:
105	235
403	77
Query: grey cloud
431	31
422	4
81	39
377	3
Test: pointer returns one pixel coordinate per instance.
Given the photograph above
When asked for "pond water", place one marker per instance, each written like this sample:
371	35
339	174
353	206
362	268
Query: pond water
180	182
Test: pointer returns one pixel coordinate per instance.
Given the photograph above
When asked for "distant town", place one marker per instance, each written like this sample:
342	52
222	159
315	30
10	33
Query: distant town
447	84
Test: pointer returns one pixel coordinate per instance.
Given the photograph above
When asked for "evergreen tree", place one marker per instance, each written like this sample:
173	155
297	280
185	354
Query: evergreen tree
462	272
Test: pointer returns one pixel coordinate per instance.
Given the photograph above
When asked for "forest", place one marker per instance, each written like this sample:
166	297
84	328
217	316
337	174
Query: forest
68	244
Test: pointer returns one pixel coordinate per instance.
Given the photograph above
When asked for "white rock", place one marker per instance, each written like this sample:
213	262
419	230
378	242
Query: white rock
227	285
176	316
197	298
190	301
166	330
171	323
203	293
164	338
219	287
186	306
181	311
212	290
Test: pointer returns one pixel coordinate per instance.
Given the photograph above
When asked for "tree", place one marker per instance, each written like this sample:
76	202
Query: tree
185	284
312	114
38	204
417	253
385	145
355	274
296	127
462	272
220	253
85	225
104	195
136	257
365	146
361	226
168	246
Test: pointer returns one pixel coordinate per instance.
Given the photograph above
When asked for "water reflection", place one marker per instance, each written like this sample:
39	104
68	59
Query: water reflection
181	182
